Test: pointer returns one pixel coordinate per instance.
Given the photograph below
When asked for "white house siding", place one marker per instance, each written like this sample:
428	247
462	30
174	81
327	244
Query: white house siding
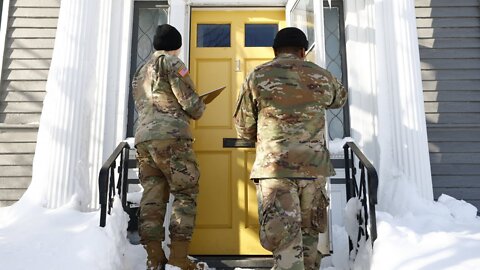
449	40
29	42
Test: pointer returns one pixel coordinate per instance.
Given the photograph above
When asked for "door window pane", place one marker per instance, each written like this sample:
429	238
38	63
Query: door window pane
260	35
213	35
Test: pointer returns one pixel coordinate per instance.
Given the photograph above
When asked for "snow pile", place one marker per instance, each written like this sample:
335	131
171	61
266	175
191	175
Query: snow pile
335	147
431	241
131	142
413	234
33	237
419	234
460	209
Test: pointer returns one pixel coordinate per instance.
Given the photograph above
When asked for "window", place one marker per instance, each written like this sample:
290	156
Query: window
147	15
334	54
260	35
148	20
213	35
303	17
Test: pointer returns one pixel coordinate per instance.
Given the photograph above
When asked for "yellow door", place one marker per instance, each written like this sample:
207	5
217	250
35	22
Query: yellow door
225	46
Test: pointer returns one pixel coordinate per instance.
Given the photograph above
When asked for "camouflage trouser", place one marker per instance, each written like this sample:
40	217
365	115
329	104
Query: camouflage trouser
167	166
292	213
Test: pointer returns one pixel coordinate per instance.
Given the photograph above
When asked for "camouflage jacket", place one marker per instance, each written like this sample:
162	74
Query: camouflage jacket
165	99
282	107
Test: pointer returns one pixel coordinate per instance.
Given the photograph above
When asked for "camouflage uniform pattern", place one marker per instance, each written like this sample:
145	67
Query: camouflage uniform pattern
165	99
282	108
167	166
292	213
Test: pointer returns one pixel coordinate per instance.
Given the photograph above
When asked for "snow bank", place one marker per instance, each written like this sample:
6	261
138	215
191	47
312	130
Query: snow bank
459	209
427	242
423	234
413	233
33	237
335	146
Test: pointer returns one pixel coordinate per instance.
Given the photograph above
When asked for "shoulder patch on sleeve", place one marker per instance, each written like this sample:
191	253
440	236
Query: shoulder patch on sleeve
183	71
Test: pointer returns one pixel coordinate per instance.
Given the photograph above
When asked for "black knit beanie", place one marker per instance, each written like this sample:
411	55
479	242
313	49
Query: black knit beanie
290	37
167	38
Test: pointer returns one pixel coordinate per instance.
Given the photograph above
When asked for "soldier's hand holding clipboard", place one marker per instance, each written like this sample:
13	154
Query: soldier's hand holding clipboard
211	95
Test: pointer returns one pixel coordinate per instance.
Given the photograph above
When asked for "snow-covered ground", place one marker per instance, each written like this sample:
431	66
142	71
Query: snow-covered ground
413	234
428	236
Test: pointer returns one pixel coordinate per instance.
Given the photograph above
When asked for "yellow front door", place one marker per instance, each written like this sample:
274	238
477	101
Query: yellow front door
225	46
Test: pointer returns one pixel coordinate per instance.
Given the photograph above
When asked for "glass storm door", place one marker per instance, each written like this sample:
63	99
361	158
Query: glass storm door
147	15
302	15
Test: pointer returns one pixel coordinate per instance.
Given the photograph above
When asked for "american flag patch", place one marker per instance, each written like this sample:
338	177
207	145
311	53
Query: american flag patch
183	71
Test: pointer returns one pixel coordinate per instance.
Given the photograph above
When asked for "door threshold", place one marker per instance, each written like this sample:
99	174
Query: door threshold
224	262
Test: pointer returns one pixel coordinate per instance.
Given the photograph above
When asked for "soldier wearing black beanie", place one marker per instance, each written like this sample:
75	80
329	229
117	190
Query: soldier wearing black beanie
281	107
166	102
290	37
167	38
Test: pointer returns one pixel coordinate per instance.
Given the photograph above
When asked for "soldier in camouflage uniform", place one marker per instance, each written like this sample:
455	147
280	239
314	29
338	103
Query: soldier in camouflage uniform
282	108
166	101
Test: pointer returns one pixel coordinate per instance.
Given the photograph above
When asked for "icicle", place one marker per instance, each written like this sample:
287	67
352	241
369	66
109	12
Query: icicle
330	3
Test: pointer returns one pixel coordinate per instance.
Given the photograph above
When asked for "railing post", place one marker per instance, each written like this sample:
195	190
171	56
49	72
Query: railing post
106	181
102	187
125	177
346	158
366	193
373	188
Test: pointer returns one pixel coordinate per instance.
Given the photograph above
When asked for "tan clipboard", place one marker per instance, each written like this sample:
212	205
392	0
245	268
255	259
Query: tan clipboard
211	95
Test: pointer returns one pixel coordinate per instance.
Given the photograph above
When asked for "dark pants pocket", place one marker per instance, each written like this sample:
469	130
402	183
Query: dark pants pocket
319	212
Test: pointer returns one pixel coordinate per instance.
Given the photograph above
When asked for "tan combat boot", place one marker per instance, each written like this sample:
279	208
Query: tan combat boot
178	255
155	256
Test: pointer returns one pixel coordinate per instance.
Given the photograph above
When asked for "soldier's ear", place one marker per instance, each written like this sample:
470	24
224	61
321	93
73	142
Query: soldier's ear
302	53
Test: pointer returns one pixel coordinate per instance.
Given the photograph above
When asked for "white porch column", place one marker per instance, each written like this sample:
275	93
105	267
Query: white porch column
385	90
401	113
179	18
78	123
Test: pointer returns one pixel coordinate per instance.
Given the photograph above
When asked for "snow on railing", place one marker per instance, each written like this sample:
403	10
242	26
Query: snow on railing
364	191
106	180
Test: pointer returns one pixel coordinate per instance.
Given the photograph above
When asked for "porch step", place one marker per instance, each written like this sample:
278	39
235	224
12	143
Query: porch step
232	262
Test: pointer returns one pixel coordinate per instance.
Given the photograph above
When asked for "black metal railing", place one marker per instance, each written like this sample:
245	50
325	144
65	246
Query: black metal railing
365	190
107	183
